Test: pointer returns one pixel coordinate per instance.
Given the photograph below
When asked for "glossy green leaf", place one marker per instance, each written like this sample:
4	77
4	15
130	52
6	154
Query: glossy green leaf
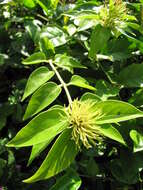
81	82
57	36
137	140
43	97
42	128
111	132
70	181
35	58
61	155
67	62
37	149
85	19
99	38
132	76
36	79
113	111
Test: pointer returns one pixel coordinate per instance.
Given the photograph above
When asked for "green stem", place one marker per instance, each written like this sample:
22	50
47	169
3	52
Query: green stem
109	78
61	81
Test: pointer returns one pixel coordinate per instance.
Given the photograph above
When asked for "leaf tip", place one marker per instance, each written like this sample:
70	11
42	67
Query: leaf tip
9	144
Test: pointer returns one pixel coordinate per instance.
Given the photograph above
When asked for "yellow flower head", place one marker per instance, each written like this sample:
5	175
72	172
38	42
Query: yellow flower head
82	118
114	14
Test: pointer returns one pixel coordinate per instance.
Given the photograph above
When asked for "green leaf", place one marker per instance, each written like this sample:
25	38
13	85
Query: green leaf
90	96
67	62
126	169
46	45
113	111
99	38
33	28
85	19
29	3
137	140
36	79
42	128
111	132
70	181
116	50
37	149
80	82
132	76
43	97
57	36
61	155
35	58
105	90
92	167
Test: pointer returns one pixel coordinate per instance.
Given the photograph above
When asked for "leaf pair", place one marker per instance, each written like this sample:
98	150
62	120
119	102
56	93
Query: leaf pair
44	127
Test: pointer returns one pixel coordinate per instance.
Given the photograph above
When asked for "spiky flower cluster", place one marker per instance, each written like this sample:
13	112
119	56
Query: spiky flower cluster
82	118
113	14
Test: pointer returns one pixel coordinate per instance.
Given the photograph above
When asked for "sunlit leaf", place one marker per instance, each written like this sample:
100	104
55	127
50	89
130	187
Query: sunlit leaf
35	58
111	132
59	158
37	149
80	82
42	128
43	97
113	111
36	79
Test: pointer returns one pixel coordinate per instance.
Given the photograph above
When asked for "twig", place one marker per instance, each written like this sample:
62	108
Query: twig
61	81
